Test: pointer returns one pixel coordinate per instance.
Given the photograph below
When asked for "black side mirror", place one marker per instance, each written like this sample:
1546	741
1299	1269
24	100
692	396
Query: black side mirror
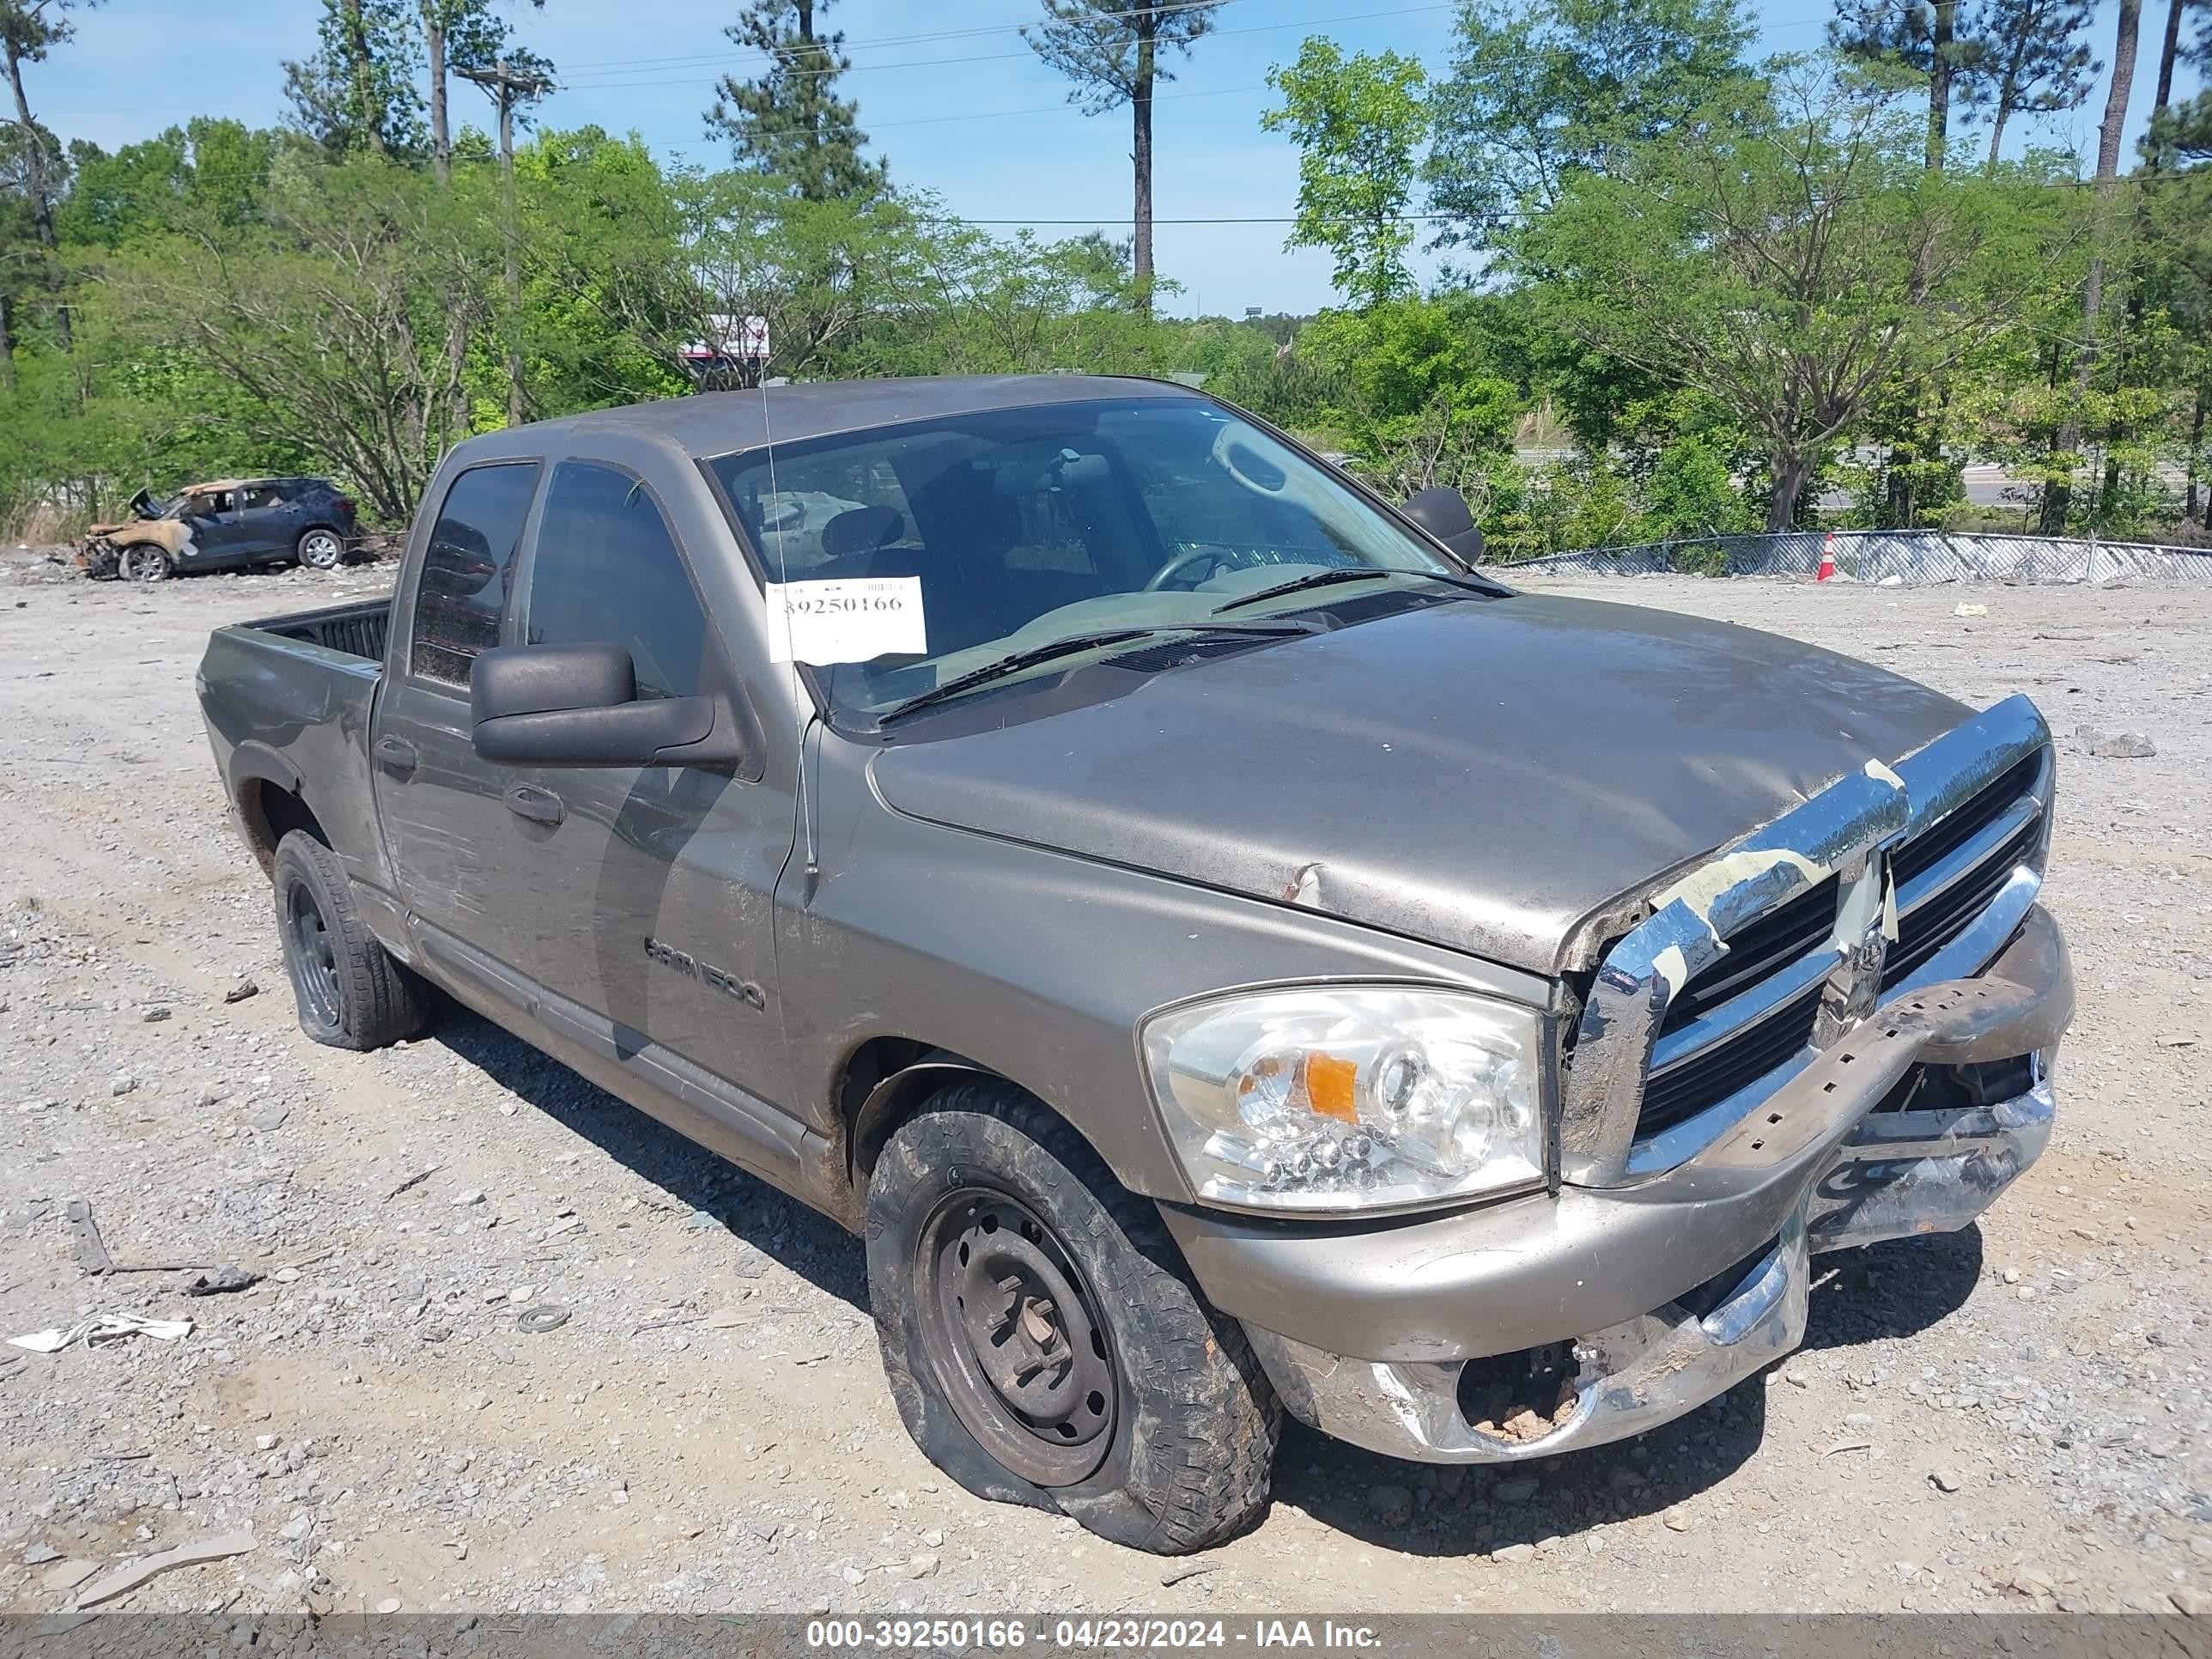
577	705
1443	513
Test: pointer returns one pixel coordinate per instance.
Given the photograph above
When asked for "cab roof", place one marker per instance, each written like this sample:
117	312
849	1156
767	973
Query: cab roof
723	423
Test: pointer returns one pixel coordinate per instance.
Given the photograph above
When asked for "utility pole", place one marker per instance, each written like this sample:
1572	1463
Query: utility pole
508	88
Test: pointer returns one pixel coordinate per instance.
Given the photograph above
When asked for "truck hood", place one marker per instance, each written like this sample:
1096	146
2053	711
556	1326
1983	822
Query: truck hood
1484	775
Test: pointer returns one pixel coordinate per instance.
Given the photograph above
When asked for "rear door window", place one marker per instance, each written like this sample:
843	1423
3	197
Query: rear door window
465	569
607	572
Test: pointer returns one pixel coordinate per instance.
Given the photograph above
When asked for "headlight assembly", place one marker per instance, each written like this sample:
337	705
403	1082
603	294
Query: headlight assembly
1331	1098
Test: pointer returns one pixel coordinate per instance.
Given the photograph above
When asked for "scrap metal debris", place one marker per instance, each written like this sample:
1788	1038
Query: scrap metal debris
93	1257
413	1181
544	1317
102	1327
217	1281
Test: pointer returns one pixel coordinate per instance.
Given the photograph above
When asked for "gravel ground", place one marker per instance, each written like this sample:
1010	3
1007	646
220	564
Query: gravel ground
2011	1417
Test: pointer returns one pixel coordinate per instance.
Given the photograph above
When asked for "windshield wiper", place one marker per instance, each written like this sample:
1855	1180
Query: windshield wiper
1073	645
1355	574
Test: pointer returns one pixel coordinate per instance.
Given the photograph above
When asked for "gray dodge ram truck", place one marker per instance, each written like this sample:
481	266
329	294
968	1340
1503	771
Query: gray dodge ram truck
1225	953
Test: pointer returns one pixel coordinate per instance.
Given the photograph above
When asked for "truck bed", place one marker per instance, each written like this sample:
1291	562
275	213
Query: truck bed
287	702
354	630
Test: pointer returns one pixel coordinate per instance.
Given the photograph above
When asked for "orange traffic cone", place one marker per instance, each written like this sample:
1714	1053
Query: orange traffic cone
1827	558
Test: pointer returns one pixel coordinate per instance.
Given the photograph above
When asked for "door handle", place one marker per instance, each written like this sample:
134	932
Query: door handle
396	751
538	806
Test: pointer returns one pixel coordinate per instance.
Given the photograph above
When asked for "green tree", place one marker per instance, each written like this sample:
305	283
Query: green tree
2027	58
208	173
1111	50
1689	492
457	34
357	91
328	326
1791	255
788	123
1358	123
1922	35
29	29
2057	495
1539	93
28	272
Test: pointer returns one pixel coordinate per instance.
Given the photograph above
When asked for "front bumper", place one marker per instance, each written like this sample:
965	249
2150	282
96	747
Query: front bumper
1663	1294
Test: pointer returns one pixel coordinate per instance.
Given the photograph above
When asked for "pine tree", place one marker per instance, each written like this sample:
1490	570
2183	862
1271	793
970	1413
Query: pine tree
2029	58
1111	49
788	121
357	92
1923	34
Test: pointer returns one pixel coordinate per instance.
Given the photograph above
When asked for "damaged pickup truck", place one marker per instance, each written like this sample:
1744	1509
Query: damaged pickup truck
1224	952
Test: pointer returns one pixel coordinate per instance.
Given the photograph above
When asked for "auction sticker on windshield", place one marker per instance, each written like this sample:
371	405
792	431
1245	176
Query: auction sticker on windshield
847	619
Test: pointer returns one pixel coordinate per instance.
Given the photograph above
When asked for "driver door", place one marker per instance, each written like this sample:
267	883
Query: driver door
217	526
658	883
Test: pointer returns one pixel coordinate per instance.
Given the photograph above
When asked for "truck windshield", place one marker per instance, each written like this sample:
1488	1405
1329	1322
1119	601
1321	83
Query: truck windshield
1028	526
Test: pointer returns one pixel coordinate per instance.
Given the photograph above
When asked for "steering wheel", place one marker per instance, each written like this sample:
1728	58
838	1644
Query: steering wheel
1220	558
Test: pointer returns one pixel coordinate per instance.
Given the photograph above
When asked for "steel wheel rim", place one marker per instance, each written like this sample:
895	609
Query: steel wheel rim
1013	1329
143	564
320	548
312	955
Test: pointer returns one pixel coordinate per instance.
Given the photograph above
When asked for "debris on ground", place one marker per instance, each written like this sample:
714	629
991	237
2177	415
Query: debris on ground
132	1574
90	1250
102	1327
2115	746
412	1182
218	1281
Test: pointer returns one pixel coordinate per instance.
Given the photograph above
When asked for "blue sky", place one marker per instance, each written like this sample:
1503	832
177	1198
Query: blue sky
947	91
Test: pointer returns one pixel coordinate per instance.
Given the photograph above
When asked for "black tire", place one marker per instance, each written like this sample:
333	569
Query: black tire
320	548
350	991
1179	1458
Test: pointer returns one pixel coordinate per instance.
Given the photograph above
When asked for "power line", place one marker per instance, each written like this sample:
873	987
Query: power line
575	76
866	45
874	127
691	63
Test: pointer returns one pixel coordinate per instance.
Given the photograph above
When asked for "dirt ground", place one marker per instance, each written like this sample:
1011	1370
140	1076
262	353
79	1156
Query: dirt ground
2012	1417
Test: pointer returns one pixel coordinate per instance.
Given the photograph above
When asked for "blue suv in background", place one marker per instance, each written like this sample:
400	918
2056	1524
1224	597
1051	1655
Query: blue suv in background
223	524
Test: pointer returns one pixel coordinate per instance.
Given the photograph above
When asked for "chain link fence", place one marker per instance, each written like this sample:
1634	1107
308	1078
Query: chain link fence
1902	556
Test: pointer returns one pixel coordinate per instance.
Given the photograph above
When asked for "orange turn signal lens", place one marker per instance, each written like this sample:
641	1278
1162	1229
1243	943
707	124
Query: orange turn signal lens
1329	1087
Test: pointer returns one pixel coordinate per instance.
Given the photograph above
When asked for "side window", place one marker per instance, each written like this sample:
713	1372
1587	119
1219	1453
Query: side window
465	571
607	571
841	515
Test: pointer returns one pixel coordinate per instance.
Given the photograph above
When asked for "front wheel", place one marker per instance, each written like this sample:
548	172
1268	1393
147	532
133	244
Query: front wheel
143	562
320	548
1042	1341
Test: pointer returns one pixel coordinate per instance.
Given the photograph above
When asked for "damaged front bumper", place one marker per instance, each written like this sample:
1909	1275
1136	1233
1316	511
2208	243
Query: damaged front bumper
1646	1371
1914	1127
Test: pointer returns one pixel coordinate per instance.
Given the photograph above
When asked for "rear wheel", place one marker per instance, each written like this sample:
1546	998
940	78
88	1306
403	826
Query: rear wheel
1041	1340
320	548
143	562
351	991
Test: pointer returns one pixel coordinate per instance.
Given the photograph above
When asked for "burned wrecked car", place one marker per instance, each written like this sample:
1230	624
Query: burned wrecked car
1226	953
225	524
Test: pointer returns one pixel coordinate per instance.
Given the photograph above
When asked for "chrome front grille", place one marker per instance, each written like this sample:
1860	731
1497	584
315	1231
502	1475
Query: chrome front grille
1729	990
